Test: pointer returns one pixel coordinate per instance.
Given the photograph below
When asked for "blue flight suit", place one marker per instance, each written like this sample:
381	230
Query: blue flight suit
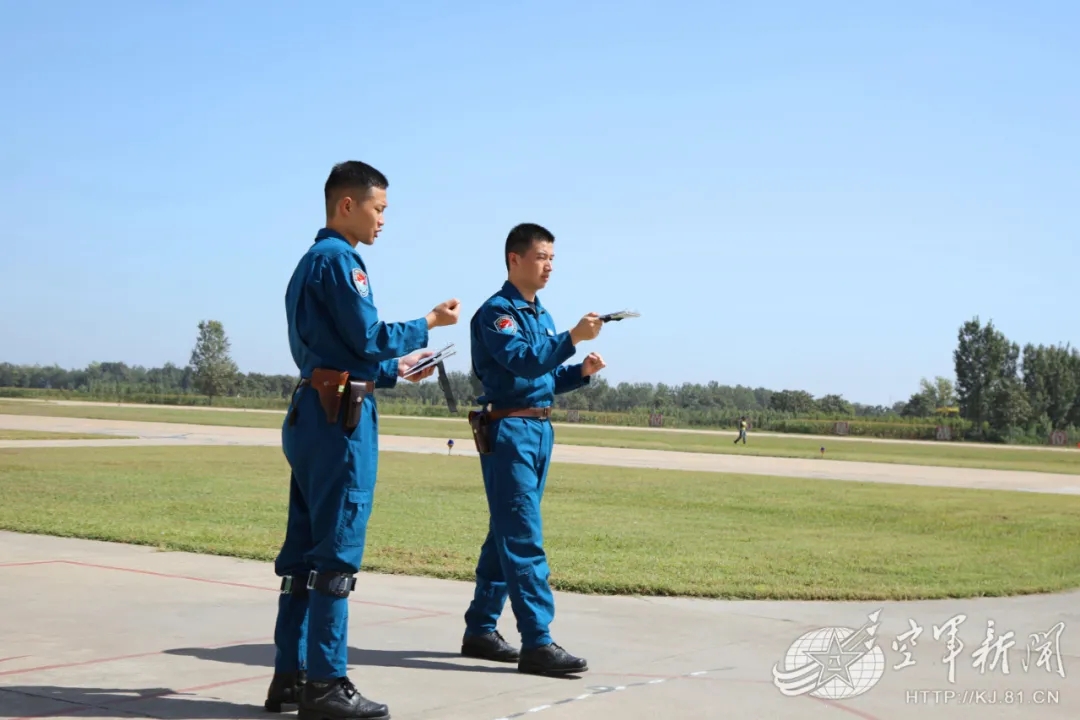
517	355
333	323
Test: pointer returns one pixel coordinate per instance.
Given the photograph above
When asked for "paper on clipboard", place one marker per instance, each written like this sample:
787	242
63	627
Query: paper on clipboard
431	361
615	316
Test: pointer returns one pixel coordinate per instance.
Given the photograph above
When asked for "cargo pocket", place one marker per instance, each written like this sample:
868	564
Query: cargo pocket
355	510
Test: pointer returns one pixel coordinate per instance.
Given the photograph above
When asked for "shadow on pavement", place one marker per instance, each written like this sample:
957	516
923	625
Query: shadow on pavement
20	701
263	656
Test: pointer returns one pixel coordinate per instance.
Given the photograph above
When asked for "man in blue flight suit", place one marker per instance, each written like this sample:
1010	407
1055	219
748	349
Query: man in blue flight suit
517	355
330	438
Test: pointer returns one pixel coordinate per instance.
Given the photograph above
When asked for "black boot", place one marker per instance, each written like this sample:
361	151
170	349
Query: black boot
338	700
489	647
550	660
285	689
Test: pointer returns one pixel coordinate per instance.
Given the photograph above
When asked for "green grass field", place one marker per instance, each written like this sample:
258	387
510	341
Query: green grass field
607	530
45	435
949	455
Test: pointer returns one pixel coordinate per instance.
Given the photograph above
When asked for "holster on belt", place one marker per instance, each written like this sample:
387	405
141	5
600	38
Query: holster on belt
330	384
481	420
354	399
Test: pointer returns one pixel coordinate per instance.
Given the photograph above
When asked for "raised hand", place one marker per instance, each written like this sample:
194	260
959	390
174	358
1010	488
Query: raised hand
592	365
444	314
587	328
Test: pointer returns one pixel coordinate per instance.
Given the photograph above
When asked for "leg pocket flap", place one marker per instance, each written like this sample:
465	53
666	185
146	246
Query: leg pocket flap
354	518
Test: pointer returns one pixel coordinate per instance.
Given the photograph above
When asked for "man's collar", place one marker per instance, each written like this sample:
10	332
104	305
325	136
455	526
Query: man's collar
328	233
510	291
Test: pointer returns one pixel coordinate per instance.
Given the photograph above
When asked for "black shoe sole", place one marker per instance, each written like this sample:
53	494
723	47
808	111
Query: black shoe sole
480	655
303	714
556	672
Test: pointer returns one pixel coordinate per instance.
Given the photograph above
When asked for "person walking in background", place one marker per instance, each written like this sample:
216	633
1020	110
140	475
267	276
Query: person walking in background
742	431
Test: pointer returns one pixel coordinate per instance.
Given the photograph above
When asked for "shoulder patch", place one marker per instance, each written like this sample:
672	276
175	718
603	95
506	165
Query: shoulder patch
506	325
360	281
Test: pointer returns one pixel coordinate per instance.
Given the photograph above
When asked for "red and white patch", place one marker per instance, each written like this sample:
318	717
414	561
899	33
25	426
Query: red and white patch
506	325
360	281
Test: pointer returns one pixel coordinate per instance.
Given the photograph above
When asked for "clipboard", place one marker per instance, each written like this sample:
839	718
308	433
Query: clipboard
621	315
431	361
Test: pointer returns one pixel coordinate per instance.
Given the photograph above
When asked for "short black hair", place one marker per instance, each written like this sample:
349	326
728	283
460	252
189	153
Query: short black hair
351	176
521	238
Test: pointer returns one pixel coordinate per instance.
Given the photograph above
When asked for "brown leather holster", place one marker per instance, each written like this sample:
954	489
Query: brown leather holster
330	384
354	401
333	387
481	430
480	421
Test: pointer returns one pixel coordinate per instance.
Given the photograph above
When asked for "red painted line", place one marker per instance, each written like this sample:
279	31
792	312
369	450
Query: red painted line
117	658
59	666
17	657
31	562
404	619
234	584
210	686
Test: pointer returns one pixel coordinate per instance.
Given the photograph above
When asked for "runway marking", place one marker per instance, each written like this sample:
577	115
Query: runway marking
118	658
227	583
605	689
84	707
423	613
16	657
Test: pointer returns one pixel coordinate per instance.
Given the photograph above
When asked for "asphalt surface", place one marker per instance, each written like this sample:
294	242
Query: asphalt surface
101	630
105	630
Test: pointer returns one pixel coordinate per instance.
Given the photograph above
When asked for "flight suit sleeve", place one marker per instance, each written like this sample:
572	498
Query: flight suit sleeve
348	296
509	346
568	378
388	374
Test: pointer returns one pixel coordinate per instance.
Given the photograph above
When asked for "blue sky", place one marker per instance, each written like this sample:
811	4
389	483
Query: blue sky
794	195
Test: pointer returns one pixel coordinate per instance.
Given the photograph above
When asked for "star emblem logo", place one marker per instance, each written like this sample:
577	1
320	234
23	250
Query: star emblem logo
835	662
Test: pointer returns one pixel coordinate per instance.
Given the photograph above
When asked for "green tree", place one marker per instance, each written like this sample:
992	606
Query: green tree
835	405
941	393
1052	383
986	373
920	404
1009	407
793	401
214	371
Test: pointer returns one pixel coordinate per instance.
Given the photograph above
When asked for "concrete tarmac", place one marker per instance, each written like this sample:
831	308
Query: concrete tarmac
101	630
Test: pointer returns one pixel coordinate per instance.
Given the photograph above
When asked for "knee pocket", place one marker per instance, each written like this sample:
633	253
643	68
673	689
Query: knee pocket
355	511
521	522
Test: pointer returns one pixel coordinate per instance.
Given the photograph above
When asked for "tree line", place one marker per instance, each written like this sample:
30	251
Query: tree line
1001	392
